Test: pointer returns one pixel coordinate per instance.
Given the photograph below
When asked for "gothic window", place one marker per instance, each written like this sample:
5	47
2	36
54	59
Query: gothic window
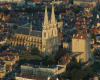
52	32
34	40
40	40
31	39
55	32
44	34
37	40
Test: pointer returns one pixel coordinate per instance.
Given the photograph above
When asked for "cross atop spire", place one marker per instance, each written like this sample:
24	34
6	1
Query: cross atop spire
46	16
53	15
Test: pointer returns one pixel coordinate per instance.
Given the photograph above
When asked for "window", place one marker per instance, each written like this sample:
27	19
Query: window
52	32
44	34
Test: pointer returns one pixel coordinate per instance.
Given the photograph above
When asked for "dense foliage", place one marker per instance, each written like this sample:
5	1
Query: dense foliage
93	36
35	58
74	71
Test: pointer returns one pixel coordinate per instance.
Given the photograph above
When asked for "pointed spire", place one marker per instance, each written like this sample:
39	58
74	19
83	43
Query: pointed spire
46	16
53	15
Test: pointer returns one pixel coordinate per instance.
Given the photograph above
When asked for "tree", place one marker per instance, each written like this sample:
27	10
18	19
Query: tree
96	52
61	52
35	51
73	72
26	2
80	74
29	10
74	64
15	27
6	11
50	59
24	55
76	10
89	71
12	78
93	36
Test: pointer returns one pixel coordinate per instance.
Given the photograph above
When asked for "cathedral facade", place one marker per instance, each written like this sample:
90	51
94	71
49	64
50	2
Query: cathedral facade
46	40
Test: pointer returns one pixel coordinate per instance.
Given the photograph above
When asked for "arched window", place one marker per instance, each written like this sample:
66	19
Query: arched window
52	32
44	34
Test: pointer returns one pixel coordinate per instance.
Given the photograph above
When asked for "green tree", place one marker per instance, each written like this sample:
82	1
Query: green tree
6	11
25	55
68	74
89	71
96	52
51	59
29	10
35	51
12	78
26	2
74	64
80	74
93	36
73	72
76	9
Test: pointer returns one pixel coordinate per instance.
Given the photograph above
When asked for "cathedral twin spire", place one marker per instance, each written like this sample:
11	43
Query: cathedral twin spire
53	15
46	17
46	22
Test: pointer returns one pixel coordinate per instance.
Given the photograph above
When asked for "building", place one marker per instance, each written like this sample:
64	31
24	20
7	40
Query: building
10	59
2	69
51	71
67	45
56	2
46	40
11	0
81	44
81	2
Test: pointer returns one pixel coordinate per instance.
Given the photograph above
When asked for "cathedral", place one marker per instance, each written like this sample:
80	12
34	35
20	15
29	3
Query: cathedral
46	41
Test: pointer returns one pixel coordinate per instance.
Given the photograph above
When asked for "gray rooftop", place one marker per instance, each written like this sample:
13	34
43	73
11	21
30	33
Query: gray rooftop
26	31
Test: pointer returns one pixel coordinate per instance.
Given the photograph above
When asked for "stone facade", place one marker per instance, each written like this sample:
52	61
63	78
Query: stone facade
81	43
43	70
80	2
2	70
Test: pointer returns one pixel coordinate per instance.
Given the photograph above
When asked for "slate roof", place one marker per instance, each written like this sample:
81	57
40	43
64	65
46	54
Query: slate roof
41	66
36	33
23	30
26	31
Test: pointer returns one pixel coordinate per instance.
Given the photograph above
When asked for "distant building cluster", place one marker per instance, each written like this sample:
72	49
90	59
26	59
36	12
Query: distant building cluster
40	39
